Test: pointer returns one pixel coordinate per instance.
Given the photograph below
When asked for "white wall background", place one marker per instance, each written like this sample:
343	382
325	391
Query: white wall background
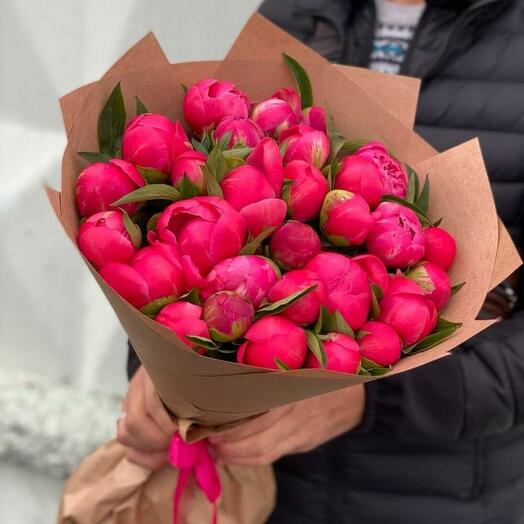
54	321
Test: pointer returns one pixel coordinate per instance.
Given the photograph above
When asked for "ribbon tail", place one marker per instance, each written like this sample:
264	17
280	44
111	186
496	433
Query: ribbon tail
183	477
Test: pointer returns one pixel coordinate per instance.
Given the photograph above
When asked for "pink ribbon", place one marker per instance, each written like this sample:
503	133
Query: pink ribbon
194	458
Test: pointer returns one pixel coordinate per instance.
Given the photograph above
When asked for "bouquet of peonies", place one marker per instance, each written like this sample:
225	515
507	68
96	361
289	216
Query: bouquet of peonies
243	233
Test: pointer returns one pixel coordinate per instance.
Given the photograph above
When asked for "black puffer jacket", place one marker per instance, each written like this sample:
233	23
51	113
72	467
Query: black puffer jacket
445	443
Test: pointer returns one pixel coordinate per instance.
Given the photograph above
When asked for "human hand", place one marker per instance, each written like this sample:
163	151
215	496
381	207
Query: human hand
295	428
146	428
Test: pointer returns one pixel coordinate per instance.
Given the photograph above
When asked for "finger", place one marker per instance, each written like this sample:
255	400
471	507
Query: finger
125	438
152	461
155	409
143	428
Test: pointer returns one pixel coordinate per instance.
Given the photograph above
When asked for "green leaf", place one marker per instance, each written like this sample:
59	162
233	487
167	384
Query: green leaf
351	147
237	152
150	192
204	342
316	347
92	158
251	247
111	122
283	148
373	368
216	163
184	87
301	79
377	290
152	222
282	366
323	320
206	141
375	306
279	306
361	334
192	296
187	188
413	184
212	186
199	146
153	176
338	324
132	230
140	107
223	143
438	222
234	162
422	201
444	325
430	341
154	307
457	287
424	219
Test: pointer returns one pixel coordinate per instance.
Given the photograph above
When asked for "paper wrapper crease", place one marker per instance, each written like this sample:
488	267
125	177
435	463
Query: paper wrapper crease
205	394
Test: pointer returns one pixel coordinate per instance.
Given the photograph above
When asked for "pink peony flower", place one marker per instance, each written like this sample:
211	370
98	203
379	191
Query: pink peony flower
190	164
243	132
433	281
394	176
265	214
271	338
293	245
441	247
375	270
345	218
150	276
183	318
266	157
209	101
360	175
347	285
251	276
277	113
152	140
305	143
315	117
305	310
206	230
103	238
413	317
228	315
396	235
342	354
306	192
399	283
380	343
99	185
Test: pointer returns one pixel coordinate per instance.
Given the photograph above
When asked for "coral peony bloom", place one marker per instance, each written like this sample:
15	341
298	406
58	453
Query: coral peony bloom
315	117
271	338
243	132
263	215
190	164
277	113
433	281
305	143
183	318
375	270
380	343
342	354
441	247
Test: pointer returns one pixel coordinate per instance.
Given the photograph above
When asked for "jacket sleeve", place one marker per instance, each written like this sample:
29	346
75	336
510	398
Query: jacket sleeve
477	391
132	361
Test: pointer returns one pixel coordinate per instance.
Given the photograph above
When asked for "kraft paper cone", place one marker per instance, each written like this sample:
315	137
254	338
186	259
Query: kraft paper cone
108	489
211	392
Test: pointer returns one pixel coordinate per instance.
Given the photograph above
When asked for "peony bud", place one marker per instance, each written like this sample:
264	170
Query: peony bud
441	247
190	164
315	117
342	354
396	235
375	270
251	276
209	101
228	315
277	113
304	143
305	310
153	141
149	277
401	284
293	245
347	285
271	338
345	218
380	343
206	231
183	318
411	316
433	281
99	185
362	176
394	176
306	192
266	158
260	216
103	238
243	132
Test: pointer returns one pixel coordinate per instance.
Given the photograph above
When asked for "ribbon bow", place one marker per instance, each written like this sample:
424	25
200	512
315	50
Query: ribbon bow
194	458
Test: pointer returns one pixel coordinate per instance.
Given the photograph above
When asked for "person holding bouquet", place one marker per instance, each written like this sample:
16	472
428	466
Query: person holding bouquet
444	443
